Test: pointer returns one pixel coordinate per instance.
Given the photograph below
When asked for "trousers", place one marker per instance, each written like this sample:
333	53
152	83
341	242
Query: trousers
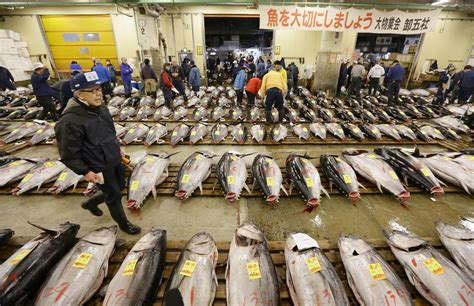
114	182
48	107
393	90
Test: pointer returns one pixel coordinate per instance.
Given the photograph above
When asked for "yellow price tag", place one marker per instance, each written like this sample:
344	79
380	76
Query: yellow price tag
62	176
309	181
217	133
130	267
253	270
174	133
16	163
305	130
131	131
149	159
14	131
434	266
188	268
134	185
340	131
198	157
19	257
185	178
394	130
252	113
447	158
232	157
338	159
374	131
423	132
82	260
471	157
347	179
437	131
260	132
376	271
27	178
49	164
372	156
270	181
193	133
230	180
276	132
241	132
313	264
39	131
425	171
393	175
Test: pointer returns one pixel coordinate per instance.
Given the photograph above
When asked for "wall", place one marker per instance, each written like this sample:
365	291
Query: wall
451	42
26	24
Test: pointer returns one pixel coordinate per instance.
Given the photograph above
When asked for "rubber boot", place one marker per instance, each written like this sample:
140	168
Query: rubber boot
117	213
268	117
281	116
92	203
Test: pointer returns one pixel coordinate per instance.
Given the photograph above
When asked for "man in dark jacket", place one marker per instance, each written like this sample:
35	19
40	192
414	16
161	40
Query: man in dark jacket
466	88
149	78
88	145
341	81
44	94
444	84
394	77
6	79
166	84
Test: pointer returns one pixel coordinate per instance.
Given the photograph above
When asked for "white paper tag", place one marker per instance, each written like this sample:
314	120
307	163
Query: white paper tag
304	242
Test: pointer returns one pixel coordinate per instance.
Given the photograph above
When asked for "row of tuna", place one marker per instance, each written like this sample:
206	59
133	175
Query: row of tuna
70	274
389	169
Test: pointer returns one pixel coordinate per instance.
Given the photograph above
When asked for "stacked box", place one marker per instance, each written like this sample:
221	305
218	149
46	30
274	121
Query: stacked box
14	55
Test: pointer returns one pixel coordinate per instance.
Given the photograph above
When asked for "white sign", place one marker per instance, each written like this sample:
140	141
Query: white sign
340	20
304	242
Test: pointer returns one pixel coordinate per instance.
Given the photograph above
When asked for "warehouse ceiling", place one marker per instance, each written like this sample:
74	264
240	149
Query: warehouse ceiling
414	4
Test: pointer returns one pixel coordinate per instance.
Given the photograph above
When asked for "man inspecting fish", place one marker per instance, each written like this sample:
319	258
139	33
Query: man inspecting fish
88	145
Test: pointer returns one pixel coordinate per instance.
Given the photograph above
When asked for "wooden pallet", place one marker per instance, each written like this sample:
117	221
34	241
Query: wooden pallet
276	250
212	188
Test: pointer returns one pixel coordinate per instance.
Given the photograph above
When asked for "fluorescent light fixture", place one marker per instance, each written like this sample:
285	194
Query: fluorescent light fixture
441	2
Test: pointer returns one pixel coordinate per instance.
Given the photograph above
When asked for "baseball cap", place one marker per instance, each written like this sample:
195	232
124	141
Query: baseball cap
85	80
37	65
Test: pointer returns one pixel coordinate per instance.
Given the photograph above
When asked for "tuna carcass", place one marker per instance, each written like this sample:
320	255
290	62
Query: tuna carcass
370	277
278	133
267	174
155	134
194	171
197	132
219	132
310	276
23	272
258	133
342	175
148	174
435	277
251	275
195	273
305	177
378	172
40	174
136	132
232	175
66	179
86	264
180	132
15	169
138	278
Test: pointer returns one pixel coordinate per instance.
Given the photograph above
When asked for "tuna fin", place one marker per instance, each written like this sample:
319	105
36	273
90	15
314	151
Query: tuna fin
253	184
214	186
51	232
379	187
325	191
442	183
330	185
465	187
153	192
102	292
39	186
284	190
291	187
200	187
362	186
247	188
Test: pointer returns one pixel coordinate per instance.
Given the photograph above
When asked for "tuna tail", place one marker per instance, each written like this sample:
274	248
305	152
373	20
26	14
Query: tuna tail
464	186
325	191
284	190
248	154
247	188
153	192
50	232
363	187
379	187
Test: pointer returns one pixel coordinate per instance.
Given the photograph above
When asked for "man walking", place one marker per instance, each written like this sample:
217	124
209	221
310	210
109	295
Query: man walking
6	79
375	73
444	83
341	81
273	88
104	78
111	69
44	94
126	75
466	88
88	145
149	79
252	88
394	78
239	84
166	84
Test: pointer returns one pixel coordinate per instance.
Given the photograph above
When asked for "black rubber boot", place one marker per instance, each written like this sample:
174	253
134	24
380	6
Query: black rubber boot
117	213
281	116
268	117
92	203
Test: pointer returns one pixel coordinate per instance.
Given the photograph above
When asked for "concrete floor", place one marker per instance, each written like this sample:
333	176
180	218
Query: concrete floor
213	214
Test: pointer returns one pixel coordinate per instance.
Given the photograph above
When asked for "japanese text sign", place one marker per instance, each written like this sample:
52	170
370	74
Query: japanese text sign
339	20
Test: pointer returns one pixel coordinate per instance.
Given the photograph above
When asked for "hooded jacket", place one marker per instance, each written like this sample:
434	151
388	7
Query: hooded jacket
87	139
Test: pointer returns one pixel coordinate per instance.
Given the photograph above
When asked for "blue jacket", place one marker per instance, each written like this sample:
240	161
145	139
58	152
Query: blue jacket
396	73
468	79
40	84
75	67
239	82
126	72
194	77
102	73
261	69
111	69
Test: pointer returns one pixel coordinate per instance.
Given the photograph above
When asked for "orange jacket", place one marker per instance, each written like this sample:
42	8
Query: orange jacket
253	85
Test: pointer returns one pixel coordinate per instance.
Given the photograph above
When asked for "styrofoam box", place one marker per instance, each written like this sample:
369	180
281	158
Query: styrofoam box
21	44
13	35
4	50
3	33
7	42
24	52
26	63
14	51
12	61
2	62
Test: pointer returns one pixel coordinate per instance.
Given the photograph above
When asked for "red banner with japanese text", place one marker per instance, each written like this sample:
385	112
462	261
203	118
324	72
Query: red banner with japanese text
352	19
